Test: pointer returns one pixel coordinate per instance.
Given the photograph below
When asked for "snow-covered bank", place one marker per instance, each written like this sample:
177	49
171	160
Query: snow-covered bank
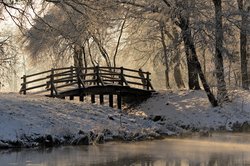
27	121
37	121
190	110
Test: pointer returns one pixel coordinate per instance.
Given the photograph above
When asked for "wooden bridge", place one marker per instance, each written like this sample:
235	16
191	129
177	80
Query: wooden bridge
126	84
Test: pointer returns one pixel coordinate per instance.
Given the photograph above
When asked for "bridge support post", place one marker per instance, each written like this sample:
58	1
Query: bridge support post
81	98
119	101
71	97
101	99
92	98
111	101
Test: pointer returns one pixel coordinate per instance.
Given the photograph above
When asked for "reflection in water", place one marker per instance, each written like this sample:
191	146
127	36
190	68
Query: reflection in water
169	152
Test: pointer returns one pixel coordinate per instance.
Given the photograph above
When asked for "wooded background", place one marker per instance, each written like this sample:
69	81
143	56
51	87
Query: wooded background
191	44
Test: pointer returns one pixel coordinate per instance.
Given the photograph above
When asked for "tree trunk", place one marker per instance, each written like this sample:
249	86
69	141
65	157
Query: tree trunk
221	84
84	57
90	55
78	56
118	42
229	72
162	29
243	45
193	80
204	60
177	61
177	72
189	46
178	76
195	64
103	51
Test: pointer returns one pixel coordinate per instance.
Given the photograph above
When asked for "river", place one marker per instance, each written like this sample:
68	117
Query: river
229	149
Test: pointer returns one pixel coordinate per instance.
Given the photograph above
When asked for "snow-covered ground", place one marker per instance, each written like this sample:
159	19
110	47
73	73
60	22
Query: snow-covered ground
191	110
34	120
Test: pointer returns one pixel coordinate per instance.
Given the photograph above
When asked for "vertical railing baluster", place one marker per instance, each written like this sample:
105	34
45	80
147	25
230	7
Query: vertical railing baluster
71	73
97	74
78	77
121	76
148	80
52	82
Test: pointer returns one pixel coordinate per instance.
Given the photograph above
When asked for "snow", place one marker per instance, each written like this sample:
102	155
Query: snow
191	109
24	118
32	116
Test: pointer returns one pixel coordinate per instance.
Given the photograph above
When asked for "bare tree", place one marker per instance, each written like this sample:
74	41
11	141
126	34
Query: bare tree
221	84
178	12
243	43
165	55
191	53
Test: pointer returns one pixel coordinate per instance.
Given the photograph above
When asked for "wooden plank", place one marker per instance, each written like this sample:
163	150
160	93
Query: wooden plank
36	80
109	77
65	85
65	81
131	76
66	73
87	74
109	74
34	87
112	71
105	67
94	80
64	78
135	83
112	80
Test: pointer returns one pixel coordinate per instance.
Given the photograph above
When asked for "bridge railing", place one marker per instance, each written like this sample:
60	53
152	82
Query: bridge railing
56	79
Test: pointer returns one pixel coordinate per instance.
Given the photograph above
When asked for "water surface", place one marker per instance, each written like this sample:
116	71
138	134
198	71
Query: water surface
221	149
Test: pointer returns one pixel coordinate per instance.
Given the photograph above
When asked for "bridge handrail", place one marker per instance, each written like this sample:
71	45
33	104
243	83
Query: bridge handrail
72	75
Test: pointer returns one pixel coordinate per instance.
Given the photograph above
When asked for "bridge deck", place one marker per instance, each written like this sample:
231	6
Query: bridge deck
105	90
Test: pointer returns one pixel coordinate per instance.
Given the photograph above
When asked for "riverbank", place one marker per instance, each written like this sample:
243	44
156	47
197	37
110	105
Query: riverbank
190	111
32	121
